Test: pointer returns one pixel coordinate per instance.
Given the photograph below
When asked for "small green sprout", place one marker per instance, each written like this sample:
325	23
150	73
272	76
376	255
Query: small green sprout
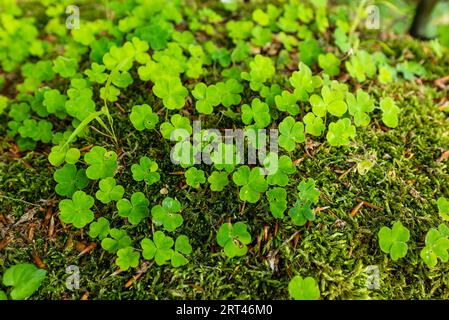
230	92
118	240
127	258
252	183
99	229
25	278
443	208
329	63
303	289
394	240
182	247
195	177
102	163
291	132
331	101
234	238
303	82
361	66
314	125
146	171
135	210
284	167
172	92
55	103
390	112
77	210
96	73
340	132
308	195
65	67
259	112
277	197
262	70
359	107
142	117
437	246
109	191
159	249
167	214
218	181
69	180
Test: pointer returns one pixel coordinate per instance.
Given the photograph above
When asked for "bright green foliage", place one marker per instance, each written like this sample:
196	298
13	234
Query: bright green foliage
230	92
394	240
58	155
261	17
102	163
118	240
218	180
303	289
69	180
340	132
390	112
437	246
146	171
234	238
172	92
182	247
65	67
291	133
127	258
287	102
25	278
207	97
277	197
259	112
308	195
55	102
443	208
99	228
252	183
135	210
159	249
96	73
195	177
77	210
80	104
361	66
279	174
179	126
109	191
410	69
142	117
303	82
38	131
262	70
359	107
329	63
110	93
309	50
331	101
314	125
167	214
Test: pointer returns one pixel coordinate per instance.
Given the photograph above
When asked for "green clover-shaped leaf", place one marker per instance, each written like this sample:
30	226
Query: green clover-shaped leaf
340	132
70	180
207	97
303	82
172	92
179	127
146	171
437	246
25	278
314	125
135	210
287	102
109	191
443	207
218	181
102	163
393	241
329	63
282	167
118	240
77	210
195	177
303	289
159	249
182	248
167	214
360	106
252	183
259	112
390	112
99	228
292	132
234	238
142	117
331	101
65	67
277	197
127	258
